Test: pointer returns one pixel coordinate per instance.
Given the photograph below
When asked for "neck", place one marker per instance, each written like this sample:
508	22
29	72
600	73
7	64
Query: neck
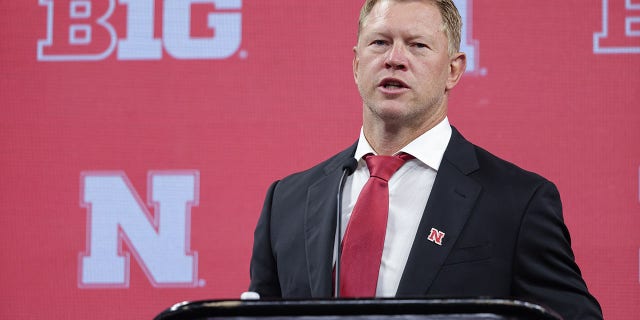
389	138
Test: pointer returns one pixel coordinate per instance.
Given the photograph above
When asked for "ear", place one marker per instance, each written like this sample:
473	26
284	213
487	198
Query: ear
457	66
356	61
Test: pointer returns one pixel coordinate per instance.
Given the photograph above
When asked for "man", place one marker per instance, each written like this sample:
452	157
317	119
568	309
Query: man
458	222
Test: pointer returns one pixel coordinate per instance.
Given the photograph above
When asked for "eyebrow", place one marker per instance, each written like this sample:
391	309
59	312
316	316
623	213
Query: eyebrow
409	37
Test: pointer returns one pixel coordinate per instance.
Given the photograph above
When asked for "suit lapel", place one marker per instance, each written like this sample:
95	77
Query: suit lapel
448	208
320	225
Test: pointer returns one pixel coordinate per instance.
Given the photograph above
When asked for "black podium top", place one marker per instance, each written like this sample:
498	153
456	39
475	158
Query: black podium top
345	309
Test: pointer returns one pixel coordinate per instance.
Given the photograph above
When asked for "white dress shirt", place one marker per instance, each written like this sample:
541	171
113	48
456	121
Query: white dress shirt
409	190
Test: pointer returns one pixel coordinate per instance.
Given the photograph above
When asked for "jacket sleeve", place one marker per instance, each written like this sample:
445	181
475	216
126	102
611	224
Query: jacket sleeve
544	268
263	268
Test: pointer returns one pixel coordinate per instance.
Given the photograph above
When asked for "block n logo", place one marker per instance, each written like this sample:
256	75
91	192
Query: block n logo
436	236
469	45
620	28
159	243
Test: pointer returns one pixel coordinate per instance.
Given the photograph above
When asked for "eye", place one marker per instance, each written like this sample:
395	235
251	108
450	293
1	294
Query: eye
378	42
419	45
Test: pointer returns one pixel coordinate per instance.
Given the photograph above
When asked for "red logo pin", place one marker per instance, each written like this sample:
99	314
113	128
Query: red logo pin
436	236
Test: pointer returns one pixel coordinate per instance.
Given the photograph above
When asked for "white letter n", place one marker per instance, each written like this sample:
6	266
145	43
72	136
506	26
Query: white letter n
160	243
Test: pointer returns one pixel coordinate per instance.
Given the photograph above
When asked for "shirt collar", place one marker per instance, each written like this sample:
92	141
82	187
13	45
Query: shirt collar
428	148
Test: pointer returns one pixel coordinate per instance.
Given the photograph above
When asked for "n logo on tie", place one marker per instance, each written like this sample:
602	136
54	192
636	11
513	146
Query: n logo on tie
436	236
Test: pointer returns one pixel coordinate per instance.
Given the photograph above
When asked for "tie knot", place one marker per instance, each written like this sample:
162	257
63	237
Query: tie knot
384	167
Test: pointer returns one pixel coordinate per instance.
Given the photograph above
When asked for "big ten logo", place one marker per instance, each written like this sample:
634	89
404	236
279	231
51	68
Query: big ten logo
160	243
81	30
467	44
620	27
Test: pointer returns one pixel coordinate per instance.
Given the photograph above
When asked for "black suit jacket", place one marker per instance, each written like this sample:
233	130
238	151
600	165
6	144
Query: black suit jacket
504	236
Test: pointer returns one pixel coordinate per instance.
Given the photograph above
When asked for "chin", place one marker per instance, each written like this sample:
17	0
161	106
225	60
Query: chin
393	113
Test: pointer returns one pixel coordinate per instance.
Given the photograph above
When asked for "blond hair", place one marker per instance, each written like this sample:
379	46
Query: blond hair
452	22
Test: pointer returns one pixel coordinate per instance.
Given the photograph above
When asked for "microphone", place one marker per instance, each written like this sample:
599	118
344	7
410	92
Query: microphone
348	167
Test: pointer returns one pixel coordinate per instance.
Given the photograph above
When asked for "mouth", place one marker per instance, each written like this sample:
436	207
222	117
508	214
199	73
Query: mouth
392	84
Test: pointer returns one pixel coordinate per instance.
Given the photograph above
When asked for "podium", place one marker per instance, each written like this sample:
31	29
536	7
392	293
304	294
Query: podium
360	309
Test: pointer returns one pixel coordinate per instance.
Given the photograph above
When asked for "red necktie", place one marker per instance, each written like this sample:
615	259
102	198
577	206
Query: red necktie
364	238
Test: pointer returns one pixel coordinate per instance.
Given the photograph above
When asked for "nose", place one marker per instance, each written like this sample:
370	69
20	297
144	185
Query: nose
396	57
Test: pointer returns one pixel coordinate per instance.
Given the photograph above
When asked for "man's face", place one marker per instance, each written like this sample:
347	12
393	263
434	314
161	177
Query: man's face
402	65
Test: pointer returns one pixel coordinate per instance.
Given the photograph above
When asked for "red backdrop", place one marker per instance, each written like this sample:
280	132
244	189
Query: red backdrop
99	98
